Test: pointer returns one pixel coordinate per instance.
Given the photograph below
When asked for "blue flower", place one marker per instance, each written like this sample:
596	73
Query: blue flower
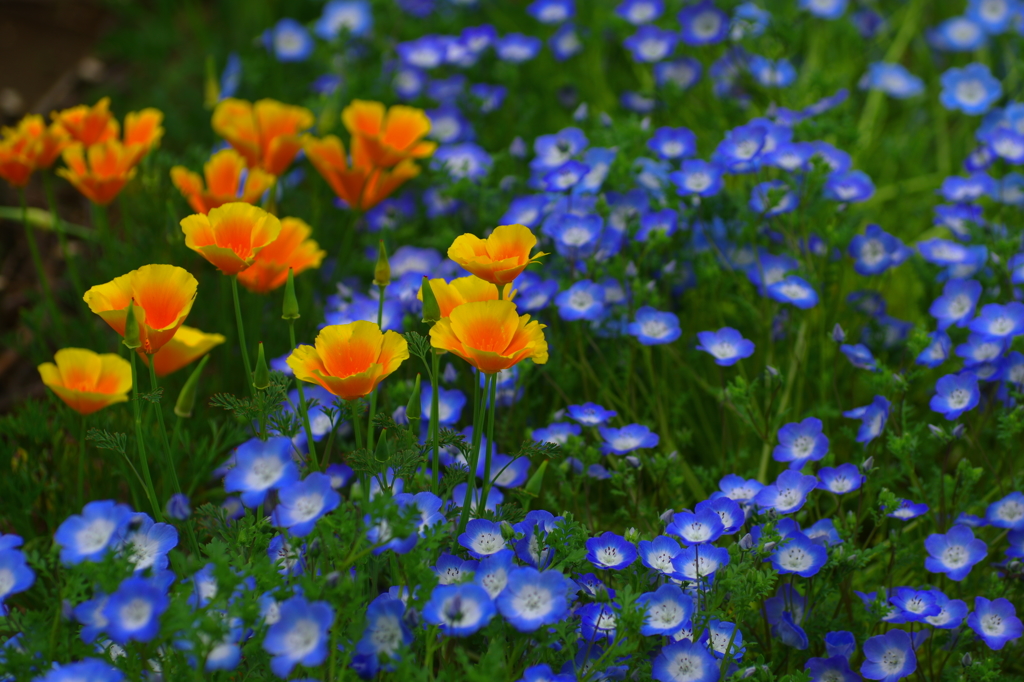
482	538
772	73
133	611
703	24
525	210
657	554
889	657
534	528
794	290
449	404
840	480
543	673
554	150
576	237
999	321
788	494
627	439
937	351
506	471
994	17
824	9
408	81
673	143
145	543
493	571
736	488
772	198
86	537
638	12
995	621
610	552
859	356
386	630
876	251
695	564
584	300
551	11
653	327
873	418
908	510
597	621
723	639
494	498
426	52
451	570
799	554
517	48
532	599
287	558
289	41
599	160
841	643
680	73
912	606
302	503
956	394
590	414
971	89
685	661
261	466
957	34
951	612
299	636
728	510
954	553
566	176
353	16
651	44
801	442
231	77
833	669
88	670
741	149
981	349
726	345
15	575
785	613
697	177
565	42
462	160
892	79
668	610
1007	512
696	528
557	433
459	610
178	507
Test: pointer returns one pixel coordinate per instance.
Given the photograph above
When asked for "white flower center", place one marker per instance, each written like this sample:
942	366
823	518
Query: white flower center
795	559
970	92
958	398
265	472
706	25
802	446
656	329
892	660
533	602
6	581
954	556
308	507
487	543
95	536
992	624
136	614
698	182
302	638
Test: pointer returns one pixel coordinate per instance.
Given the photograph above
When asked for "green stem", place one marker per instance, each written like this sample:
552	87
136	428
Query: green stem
373	394
354	408
169	455
311	446
81	462
58	227
140	442
435	429
474	455
44	282
492	408
241	336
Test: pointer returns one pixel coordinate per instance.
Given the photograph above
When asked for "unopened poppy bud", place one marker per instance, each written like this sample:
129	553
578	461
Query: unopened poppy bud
261	377
355	492
838	334
382	453
187	397
431	310
382	271
414	407
747	542
131	329
290	308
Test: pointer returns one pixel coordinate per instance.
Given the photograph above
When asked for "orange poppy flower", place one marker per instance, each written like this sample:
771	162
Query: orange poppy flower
361	188
266	133
471	289
100	171
88	125
292	249
40	145
491	336
223	176
87	381
142	129
231	236
16	159
163	296
500	258
350	360
187	346
384	138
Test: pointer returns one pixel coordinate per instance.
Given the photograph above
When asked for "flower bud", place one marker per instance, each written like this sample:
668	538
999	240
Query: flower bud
958	430
868	464
507	531
768	547
178	507
771	371
261	377
382	452
937	430
131	329
838	334
667	515
431	310
413	408
290	307
747	542
632	535
633	461
187	397
966	660
382	271
333	578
